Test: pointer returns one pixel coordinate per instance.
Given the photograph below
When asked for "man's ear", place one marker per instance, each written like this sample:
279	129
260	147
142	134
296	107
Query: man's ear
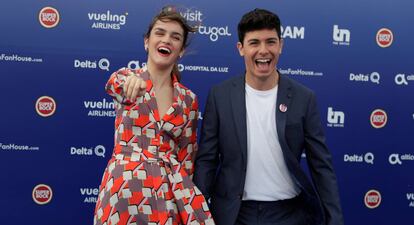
281	46
240	48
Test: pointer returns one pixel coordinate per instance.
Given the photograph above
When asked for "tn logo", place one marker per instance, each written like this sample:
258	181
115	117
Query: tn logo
341	35
335	116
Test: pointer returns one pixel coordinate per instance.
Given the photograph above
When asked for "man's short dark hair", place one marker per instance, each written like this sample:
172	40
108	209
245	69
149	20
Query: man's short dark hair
258	19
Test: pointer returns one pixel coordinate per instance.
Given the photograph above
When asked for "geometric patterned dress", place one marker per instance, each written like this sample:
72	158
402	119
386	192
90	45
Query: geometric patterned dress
148	179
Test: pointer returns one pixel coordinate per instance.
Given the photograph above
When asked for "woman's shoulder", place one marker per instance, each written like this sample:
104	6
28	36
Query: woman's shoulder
186	91
128	71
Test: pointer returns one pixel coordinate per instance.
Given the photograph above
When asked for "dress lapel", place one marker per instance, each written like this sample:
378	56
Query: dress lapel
149	98
179	102
176	116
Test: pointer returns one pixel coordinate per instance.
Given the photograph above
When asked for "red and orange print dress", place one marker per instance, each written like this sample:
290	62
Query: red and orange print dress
148	179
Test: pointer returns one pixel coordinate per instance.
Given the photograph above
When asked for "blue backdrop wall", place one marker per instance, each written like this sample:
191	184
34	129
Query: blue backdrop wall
56	123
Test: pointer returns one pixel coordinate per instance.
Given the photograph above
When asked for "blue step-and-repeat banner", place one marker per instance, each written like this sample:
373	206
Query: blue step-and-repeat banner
56	121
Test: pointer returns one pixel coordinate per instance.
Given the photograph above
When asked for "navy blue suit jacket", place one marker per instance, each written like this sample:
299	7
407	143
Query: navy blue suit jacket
220	167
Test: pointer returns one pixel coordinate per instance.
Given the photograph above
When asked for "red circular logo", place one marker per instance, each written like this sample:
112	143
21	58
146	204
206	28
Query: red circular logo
42	194
49	17
45	106
378	118
372	199
384	37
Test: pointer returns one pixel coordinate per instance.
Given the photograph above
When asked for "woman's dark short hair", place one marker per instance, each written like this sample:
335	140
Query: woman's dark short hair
169	13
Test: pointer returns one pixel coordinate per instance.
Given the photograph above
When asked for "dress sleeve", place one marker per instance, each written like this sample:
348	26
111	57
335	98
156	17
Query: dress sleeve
115	85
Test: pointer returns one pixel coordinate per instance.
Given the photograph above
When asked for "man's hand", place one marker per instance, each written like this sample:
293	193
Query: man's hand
134	87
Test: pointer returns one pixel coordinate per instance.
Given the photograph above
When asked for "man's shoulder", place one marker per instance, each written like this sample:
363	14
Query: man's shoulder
295	85
232	81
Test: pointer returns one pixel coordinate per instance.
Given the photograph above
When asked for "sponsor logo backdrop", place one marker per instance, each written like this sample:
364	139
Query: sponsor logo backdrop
56	124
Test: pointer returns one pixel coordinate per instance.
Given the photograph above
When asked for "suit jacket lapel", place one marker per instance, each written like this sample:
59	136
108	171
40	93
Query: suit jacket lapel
238	103
284	96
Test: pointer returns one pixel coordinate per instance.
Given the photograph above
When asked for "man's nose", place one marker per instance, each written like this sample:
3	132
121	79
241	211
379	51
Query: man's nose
263	49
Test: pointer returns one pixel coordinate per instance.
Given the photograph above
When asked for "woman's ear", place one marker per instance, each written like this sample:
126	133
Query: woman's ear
146	44
182	53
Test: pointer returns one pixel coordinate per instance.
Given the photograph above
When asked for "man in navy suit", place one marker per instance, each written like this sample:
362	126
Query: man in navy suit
255	129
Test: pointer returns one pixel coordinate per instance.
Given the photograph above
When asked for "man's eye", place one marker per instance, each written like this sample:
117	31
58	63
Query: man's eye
275	41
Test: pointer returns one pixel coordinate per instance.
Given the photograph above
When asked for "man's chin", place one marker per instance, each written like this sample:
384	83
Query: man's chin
264	73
